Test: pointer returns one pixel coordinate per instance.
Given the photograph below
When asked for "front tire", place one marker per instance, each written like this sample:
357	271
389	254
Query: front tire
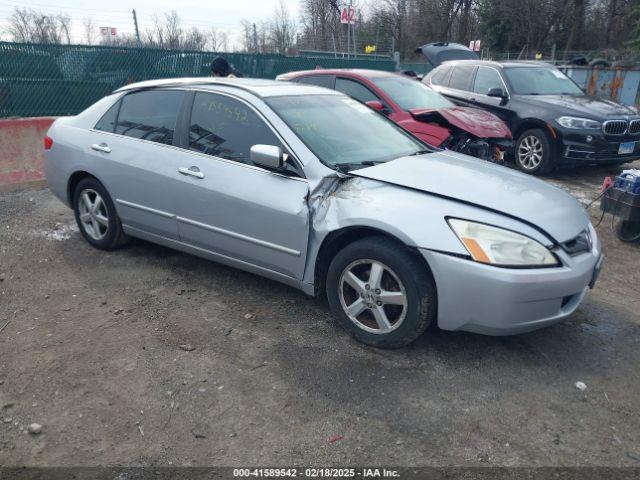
534	152
381	293
96	215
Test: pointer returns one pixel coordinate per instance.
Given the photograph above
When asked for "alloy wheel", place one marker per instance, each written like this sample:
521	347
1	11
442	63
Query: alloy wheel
94	217
372	296
530	152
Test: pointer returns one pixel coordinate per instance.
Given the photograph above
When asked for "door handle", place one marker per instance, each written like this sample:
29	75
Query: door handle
192	171
103	147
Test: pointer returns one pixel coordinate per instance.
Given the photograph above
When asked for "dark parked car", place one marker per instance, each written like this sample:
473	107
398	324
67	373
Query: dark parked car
553	121
418	109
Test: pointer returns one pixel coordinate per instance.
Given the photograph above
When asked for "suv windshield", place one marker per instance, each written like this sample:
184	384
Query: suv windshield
410	94
342	131
540	81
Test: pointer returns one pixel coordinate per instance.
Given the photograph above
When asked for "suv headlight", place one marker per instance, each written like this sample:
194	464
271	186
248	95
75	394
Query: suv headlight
579	123
496	246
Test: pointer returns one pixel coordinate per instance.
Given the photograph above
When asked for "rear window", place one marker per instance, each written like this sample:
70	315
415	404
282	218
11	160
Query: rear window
409	94
108	121
318	80
461	76
355	89
150	115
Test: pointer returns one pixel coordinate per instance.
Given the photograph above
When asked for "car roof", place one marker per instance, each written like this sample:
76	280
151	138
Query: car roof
501	64
337	71
256	86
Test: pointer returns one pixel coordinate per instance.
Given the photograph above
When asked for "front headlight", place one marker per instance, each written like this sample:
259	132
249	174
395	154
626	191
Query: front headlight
495	246
578	123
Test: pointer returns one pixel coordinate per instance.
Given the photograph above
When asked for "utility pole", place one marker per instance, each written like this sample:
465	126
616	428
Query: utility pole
135	24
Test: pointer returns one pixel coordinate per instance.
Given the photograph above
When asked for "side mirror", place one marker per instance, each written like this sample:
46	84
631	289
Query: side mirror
268	156
497	92
377	106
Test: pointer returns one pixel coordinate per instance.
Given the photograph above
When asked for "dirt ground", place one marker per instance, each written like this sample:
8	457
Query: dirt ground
92	353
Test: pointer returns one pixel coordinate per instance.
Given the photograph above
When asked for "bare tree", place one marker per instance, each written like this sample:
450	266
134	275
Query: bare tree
90	35
173	30
29	26
194	39
283	29
64	25
246	36
218	40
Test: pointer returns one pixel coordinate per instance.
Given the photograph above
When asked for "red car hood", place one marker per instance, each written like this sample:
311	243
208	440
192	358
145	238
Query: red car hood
477	122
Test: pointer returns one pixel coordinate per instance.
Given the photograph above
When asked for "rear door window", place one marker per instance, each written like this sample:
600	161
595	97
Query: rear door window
356	90
461	77
150	115
317	80
441	75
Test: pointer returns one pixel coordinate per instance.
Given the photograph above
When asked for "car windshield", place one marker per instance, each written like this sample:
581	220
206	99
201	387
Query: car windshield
410	94
540	81
342	131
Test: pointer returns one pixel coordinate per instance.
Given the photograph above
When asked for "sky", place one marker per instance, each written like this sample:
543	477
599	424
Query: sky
224	15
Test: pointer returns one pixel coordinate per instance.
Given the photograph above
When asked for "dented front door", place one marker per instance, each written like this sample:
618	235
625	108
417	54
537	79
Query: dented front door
244	212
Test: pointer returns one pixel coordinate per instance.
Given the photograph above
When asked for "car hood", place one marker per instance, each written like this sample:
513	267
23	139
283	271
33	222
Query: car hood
477	122
483	184
581	105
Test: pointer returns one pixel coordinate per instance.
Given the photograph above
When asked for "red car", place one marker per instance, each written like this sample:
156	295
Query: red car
418	109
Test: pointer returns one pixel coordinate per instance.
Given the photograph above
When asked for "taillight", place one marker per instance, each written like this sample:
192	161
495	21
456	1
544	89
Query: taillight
48	142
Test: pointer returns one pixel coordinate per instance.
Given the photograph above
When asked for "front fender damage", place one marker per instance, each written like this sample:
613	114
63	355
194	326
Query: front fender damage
340	201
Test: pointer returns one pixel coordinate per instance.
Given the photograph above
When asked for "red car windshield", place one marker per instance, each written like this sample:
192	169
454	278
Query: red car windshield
409	94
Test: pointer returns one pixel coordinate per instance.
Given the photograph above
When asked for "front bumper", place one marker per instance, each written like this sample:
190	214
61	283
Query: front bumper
481	298
575	149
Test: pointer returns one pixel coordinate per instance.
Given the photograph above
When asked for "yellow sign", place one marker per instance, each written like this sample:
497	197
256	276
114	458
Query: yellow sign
370	49
538	56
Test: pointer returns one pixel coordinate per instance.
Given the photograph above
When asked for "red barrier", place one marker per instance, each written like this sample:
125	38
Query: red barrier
21	152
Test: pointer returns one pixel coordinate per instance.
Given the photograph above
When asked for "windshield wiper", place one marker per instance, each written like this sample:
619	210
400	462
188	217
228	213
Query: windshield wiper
346	166
419	152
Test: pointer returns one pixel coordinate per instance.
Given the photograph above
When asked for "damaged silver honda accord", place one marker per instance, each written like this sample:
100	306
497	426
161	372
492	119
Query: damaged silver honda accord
308	187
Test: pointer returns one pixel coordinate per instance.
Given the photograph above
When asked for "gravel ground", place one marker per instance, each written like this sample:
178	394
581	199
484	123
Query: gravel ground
92	352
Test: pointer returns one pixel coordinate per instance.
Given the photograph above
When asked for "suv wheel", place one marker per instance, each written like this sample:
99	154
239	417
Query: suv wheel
381	293
96	215
534	152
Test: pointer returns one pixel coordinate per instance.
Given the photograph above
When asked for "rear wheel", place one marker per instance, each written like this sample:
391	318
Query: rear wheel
96	215
534	152
381	293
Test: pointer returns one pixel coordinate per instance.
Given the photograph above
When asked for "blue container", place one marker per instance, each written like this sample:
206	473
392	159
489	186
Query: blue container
629	182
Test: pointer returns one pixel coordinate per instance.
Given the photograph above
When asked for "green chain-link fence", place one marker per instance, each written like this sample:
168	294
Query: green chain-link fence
40	80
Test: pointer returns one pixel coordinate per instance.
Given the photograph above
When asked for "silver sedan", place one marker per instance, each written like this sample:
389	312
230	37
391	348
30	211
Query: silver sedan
308	187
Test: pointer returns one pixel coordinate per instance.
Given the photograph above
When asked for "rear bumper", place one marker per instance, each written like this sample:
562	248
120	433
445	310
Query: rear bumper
500	301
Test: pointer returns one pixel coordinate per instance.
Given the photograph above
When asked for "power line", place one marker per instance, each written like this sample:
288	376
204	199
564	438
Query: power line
48	9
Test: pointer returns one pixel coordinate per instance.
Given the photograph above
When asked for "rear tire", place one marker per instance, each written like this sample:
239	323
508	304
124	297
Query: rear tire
96	215
394	299
534	152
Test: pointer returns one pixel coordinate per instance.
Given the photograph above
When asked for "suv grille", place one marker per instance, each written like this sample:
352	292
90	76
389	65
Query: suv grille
614	127
634	126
